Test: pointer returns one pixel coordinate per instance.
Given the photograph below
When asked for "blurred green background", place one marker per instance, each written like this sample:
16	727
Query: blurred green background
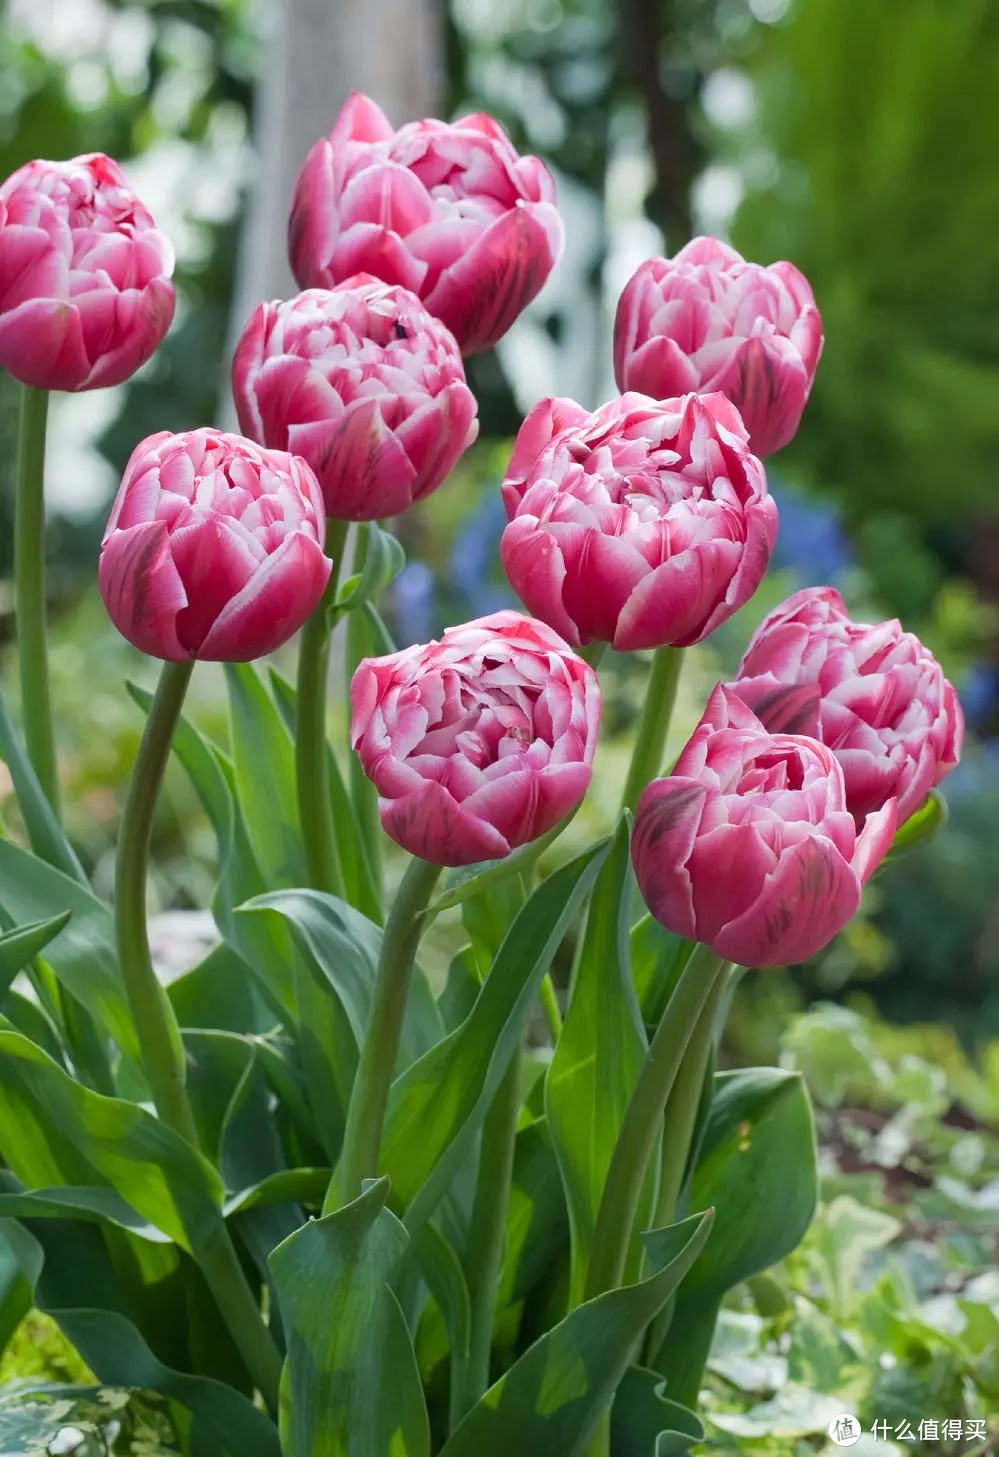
857	138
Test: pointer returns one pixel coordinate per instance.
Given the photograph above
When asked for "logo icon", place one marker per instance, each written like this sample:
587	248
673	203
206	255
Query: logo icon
845	1430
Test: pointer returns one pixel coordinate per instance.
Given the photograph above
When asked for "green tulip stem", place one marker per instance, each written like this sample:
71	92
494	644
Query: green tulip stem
311	765
363	793
483	1261
593	653
159	1039
29	583
653	723
156	1026
643	1120
369	1094
551	1008
682	1107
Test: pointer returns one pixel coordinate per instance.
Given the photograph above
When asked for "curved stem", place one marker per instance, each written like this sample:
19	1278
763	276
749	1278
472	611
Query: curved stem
551	1008
486	1233
653	723
29	580
369	1095
643	1121
311	767
159	1039
156	1026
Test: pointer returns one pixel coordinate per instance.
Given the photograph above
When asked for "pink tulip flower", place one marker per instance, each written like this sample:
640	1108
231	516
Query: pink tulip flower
748	846
645	524
365	385
708	320
449	211
872	694
479	742
85	291
214	549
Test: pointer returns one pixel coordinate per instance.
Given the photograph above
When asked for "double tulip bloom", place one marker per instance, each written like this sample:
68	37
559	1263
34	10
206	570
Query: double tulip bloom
85	291
872	693
643	525
708	320
749	845
477	743
214	549
364	384
450	212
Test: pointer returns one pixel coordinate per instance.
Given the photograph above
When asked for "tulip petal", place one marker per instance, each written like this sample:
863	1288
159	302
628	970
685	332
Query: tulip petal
432	825
142	589
783	708
274	603
533	564
803	905
479	297
41	344
874	840
666	824
672	604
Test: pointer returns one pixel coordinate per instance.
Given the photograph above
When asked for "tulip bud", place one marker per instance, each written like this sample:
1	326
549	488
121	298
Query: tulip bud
874	694
749	845
214	549
477	743
708	320
644	525
365	385
449	211
85	291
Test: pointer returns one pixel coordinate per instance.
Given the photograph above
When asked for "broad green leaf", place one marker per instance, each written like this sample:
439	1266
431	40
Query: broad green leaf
461	884
302	1185
216	1062
45	834
221	1422
384	559
927	822
94	1202
83	954
220	992
757	1169
437	1105
598	1057
33	1022
264	761
645	1423
382	639
359	881
16	1292
351	1383
23	944
441	1270
537	1225
551	1400
55	1131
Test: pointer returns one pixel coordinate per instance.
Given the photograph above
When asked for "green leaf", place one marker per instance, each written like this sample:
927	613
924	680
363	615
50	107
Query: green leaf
264	761
444	1277
598	1057
551	1400
758	1170
220	993
45	835
461	884
437	1105
359	881
537	1225
383	561
83	954
23	944
927	822
222	1422
657	958
645	1423
95	1203
382	638
55	1131
351	1383
302	1185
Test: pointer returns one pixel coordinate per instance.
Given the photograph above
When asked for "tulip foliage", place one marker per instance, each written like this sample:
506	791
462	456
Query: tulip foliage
322	1203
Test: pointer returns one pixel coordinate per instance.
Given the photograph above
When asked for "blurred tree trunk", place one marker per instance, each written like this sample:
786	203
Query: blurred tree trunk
315	53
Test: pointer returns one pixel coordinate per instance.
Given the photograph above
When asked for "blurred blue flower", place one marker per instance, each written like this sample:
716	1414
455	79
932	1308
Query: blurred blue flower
811	538
474	569
414	600
979	693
